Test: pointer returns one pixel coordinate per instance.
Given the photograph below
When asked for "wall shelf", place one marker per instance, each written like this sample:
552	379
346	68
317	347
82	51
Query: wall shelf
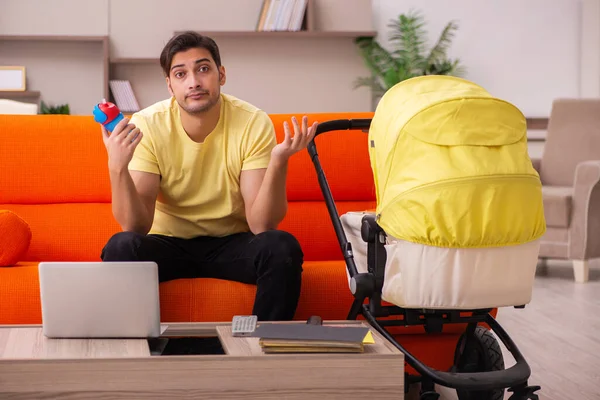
21	94
55	38
135	61
256	34
288	34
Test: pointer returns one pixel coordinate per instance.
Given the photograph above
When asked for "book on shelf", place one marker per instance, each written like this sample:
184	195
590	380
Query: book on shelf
282	15
308	338
124	96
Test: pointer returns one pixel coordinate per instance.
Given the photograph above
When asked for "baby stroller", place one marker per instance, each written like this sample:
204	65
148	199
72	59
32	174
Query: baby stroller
455	233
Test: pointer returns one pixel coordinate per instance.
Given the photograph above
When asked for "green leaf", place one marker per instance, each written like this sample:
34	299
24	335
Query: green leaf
439	52
60	109
372	83
408	36
377	59
390	78
408	56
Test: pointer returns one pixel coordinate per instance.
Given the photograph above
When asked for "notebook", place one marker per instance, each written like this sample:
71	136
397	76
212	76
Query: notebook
312	338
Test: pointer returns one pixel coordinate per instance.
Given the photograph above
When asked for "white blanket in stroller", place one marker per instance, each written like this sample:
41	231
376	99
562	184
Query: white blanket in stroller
421	276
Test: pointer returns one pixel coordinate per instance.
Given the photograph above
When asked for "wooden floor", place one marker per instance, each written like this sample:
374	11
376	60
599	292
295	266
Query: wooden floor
559	335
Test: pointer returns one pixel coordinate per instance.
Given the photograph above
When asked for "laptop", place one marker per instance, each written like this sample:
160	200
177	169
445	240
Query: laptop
100	299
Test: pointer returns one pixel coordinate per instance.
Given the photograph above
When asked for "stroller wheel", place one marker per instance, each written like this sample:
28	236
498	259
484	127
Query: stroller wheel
480	354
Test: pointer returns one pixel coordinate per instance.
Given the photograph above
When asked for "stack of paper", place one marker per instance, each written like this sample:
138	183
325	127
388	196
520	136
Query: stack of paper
307	338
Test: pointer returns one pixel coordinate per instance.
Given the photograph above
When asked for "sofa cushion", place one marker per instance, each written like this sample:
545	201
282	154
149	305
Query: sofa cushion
20	293
344	156
325	292
16	237
311	224
78	232
66	160
557	205
572	137
79	166
67	232
555	243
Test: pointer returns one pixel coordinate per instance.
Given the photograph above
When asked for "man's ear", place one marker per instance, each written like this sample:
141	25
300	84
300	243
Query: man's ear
222	75
169	86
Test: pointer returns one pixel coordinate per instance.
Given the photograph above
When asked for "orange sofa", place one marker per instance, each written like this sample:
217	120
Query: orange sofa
53	174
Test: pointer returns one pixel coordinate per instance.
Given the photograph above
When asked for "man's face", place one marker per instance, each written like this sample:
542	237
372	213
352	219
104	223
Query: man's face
195	80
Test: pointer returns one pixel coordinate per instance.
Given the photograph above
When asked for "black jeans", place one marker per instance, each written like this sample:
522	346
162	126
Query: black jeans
271	260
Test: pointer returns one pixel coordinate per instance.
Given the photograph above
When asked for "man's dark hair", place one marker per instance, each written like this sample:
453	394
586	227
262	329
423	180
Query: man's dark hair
185	41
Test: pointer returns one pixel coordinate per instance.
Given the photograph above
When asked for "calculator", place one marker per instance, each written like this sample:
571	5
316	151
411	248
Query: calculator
243	325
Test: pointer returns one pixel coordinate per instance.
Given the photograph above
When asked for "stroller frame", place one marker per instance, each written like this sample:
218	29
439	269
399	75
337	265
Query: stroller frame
482	385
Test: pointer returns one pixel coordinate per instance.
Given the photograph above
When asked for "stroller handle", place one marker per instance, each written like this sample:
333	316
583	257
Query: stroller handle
342	125
327	126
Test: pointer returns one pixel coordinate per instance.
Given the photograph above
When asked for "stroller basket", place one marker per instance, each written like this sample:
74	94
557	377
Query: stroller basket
368	250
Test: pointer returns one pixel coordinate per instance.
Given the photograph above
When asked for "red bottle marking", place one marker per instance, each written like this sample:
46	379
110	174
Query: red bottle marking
110	110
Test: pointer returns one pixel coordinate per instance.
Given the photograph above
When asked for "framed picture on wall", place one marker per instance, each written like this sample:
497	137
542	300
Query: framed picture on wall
12	78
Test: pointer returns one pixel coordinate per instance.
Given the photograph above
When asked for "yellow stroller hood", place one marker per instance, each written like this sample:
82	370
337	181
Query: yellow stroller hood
451	167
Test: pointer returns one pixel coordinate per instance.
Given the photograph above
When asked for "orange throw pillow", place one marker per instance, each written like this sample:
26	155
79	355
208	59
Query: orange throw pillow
15	237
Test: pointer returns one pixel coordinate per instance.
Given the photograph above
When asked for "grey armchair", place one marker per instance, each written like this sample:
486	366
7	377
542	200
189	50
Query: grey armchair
570	174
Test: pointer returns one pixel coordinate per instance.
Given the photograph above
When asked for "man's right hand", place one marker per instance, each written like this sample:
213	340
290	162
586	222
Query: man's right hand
120	144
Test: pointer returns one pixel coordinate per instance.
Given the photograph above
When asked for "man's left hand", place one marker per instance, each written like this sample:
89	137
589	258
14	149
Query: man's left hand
300	140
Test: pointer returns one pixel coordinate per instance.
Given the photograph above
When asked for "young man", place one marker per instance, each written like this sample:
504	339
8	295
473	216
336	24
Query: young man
198	183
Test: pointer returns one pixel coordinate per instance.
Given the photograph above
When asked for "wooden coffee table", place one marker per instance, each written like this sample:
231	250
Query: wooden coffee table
33	366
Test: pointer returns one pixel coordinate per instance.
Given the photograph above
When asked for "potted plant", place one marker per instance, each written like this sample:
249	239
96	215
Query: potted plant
59	109
408	56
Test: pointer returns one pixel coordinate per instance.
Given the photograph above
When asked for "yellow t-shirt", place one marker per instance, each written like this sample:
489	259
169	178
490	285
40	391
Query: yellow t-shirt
200	182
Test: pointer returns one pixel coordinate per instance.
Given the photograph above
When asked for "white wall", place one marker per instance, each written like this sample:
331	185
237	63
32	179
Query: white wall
56	17
590	48
527	52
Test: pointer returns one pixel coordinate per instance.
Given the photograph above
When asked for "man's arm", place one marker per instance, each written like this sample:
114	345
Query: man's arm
133	193
265	195
134	196
264	190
